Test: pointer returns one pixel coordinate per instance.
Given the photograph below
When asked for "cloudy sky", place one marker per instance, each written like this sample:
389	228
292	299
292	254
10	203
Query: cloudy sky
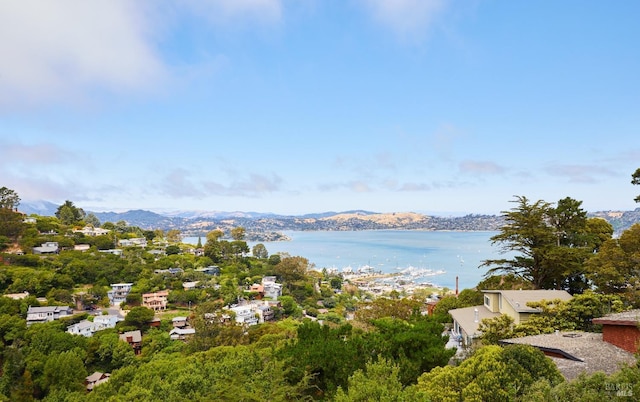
301	106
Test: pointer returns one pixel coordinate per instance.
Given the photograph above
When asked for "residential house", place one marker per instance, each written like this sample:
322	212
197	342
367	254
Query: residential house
575	353
171	271
265	313
17	296
245	314
181	334
210	270
156	301
81	247
513	303
91	231
190	285
84	328
88	328
45	314
134	339
107	320
96	379
258	289
114	251
119	292
272	289
29	220
135	242
621	329
50	247
179	322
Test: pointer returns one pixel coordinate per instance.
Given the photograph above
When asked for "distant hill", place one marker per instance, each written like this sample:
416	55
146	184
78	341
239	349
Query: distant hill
620	220
197	223
42	208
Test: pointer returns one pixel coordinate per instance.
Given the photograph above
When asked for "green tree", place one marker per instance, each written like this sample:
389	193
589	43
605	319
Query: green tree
11	224
416	345
92	220
64	372
549	244
139	317
172	249
527	234
328	355
260	251
495	329
615	269
69	214
492	373
635	180
174	236
9	199
291	269
379	381
238	233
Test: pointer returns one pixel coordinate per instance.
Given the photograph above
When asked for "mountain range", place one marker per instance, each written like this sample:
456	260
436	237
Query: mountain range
198	223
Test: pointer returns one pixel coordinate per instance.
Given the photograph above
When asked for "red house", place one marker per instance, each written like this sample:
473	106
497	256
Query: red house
621	329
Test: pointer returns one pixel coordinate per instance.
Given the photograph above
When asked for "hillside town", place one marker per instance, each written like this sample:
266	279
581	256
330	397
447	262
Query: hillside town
105	303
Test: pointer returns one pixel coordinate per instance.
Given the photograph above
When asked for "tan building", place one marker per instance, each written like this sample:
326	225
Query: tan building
156	301
513	303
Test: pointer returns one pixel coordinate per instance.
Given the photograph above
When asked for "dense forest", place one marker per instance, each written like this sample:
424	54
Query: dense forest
327	338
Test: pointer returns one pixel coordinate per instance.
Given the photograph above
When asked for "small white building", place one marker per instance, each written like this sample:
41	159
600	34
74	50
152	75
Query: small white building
50	247
88	328
91	231
84	328
107	321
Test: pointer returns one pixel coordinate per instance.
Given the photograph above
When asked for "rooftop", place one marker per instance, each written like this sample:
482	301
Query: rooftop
581	352
466	317
631	317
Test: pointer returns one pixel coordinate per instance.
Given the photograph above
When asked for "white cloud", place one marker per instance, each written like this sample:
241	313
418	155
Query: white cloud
409	19
228	12
55	50
580	173
40	154
480	167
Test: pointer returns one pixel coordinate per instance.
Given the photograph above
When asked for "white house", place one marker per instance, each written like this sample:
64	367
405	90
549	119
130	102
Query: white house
271	289
45	314
245	314
107	321
91	231
50	247
84	328
119	292
88	328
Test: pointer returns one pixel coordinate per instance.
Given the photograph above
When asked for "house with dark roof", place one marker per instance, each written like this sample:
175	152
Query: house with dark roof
134	339
95	379
575	353
37	315
621	329
513	303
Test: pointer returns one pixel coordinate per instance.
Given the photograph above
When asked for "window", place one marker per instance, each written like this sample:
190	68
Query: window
487	301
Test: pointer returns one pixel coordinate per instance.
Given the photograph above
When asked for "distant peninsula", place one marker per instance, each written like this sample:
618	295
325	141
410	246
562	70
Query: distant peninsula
269	227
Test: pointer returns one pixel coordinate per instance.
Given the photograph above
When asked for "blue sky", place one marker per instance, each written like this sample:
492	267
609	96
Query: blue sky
300	106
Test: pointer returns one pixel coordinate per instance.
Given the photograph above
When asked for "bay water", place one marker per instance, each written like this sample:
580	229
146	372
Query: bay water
434	256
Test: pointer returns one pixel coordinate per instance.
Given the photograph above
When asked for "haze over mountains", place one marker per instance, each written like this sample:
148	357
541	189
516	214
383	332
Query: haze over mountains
197	223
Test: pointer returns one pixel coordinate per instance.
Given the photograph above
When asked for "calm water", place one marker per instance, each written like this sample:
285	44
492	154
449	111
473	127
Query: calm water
456	253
